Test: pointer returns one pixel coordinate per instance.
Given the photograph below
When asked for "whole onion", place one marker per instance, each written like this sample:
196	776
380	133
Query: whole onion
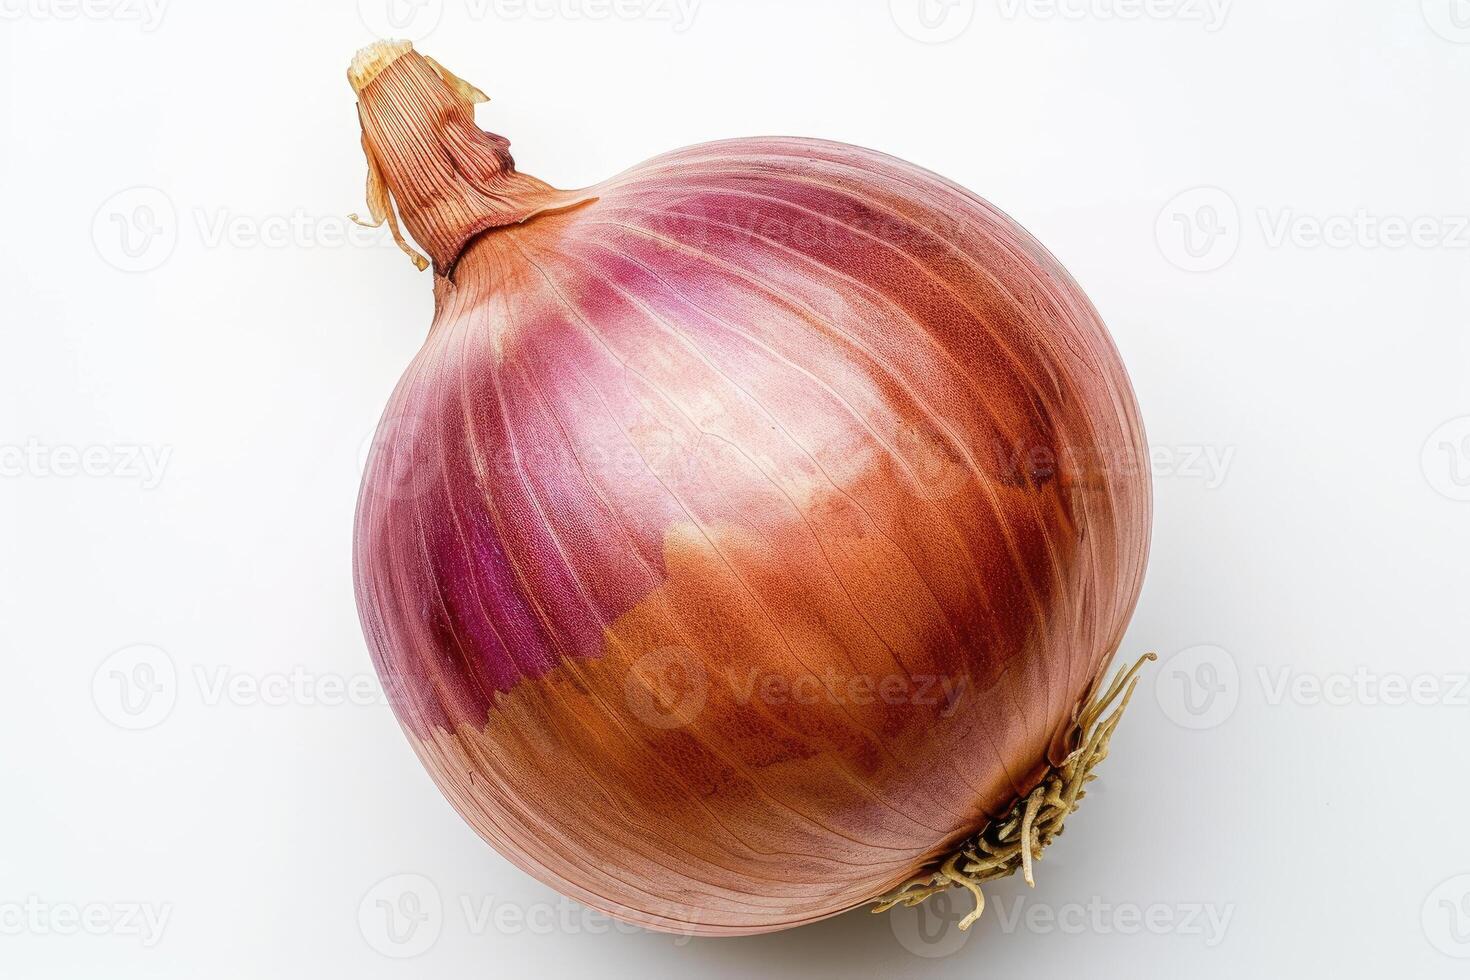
750	536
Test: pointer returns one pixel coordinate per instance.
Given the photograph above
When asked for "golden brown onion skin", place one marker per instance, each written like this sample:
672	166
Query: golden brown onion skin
744	539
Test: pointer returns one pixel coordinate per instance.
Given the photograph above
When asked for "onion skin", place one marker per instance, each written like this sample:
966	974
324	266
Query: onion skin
755	413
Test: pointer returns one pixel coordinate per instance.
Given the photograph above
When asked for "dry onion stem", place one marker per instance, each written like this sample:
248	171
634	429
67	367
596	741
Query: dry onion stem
1016	841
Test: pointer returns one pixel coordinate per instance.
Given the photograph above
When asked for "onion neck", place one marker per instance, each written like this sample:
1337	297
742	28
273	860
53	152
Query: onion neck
449	179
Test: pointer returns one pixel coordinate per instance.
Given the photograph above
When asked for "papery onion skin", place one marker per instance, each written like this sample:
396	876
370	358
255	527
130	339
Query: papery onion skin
685	474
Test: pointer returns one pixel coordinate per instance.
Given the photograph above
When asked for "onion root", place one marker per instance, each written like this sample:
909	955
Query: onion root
1016	841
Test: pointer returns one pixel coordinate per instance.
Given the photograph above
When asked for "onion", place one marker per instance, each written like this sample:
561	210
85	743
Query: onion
749	538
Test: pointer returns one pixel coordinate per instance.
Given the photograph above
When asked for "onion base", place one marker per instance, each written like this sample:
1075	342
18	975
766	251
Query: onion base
1015	842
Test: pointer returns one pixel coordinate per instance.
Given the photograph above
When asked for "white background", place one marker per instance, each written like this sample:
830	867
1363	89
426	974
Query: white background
182	315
